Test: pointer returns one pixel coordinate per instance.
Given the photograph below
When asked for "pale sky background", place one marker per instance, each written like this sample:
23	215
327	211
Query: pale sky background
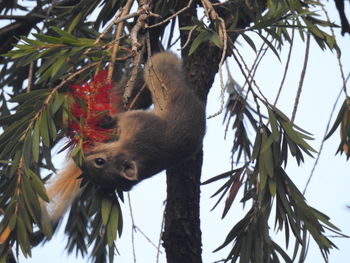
329	188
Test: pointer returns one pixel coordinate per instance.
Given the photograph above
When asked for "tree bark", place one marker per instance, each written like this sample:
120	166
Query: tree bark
182	233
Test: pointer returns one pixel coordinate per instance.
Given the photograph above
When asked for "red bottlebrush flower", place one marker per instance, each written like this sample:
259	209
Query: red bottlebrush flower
91	102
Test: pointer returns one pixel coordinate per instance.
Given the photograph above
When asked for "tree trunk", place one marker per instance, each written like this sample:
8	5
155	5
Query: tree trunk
182	233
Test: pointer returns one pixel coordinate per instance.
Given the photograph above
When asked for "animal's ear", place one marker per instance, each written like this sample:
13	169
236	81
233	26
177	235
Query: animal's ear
129	170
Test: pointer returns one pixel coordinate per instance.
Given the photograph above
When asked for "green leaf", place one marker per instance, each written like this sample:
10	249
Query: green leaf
257	144
47	39
74	22
274	126
249	41
22	213
202	37
62	33
266	163
324	219
47	156
270	45
13	221
30	96
30	199
59	63
120	218
44	129
216	39
15	163
106	207
36	142
266	143
22	236
51	123
37	185
113	225
15	54
27	150
10	119
272	186
295	136
58	101
338	120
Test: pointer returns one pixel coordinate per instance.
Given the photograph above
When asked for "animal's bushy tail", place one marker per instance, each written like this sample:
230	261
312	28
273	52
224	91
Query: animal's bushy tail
62	191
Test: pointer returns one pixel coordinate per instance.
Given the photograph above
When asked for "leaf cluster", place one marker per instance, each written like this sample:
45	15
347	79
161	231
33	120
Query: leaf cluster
95	221
34	77
270	21
28	135
243	117
267	185
343	122
56	55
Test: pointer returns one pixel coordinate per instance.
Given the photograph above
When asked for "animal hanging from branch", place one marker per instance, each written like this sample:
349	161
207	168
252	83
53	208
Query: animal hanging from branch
134	145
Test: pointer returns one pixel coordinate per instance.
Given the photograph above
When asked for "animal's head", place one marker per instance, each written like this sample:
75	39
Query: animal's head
111	167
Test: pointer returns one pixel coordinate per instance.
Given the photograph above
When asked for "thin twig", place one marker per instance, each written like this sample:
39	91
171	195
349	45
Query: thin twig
160	236
148	44
109	27
338	53
250	88
133	226
137	47
285	68
30	77
231	80
343	89
144	10
213	15
324	136
302	77
15	17
130	84
124	12
188	37
31	65
249	77
222	3
222	95
172	16
261	53
134	100
106	30
147	238
171	35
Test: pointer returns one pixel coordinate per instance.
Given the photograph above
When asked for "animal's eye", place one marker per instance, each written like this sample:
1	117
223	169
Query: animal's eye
99	162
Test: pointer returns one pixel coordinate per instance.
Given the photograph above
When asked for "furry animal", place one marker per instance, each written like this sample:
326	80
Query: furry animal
149	141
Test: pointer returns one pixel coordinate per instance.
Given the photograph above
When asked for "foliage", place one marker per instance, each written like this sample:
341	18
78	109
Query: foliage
71	45
266	183
342	121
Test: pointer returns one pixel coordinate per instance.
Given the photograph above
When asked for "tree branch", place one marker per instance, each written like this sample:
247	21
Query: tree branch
10	34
